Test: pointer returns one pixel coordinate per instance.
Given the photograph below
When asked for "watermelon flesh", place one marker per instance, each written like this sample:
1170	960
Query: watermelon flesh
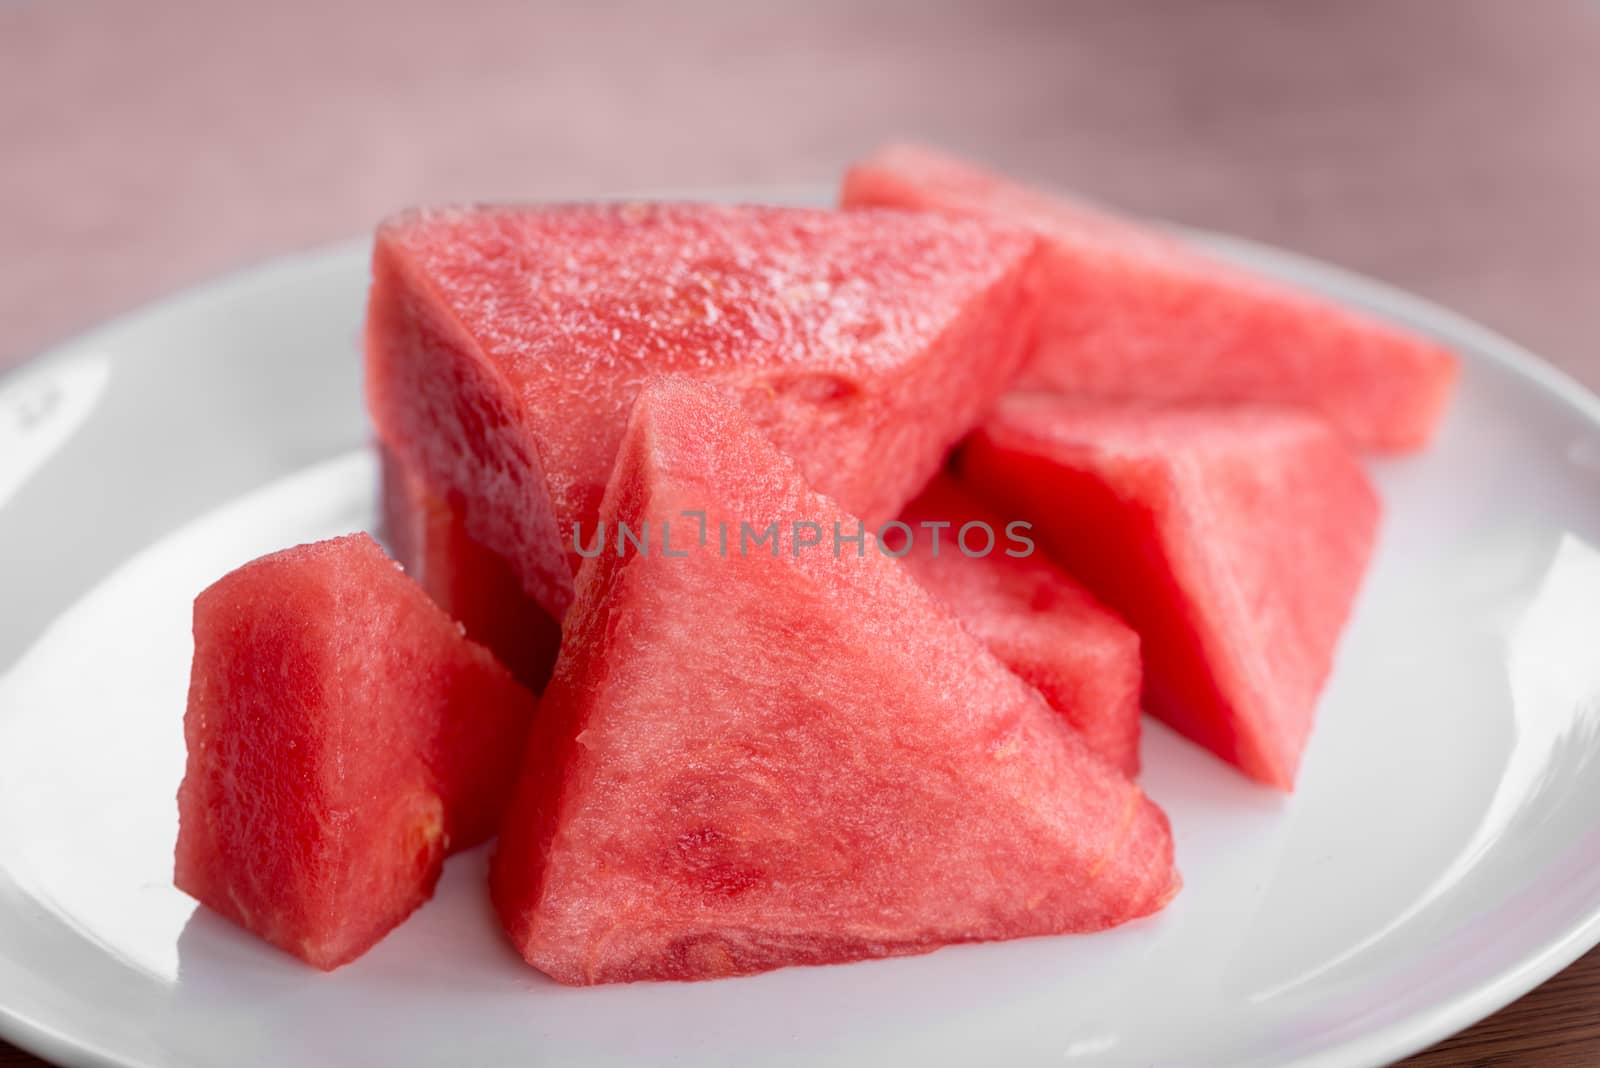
1030	614
474	585
761	759
505	346
1132	314
342	738
1233	539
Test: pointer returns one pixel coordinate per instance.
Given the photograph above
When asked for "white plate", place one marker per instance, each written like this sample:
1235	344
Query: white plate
1440	857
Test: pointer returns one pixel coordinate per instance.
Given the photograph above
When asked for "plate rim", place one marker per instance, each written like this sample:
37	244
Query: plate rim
1396	1039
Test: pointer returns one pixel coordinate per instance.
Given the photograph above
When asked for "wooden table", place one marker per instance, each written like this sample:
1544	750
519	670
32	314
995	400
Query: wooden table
1451	149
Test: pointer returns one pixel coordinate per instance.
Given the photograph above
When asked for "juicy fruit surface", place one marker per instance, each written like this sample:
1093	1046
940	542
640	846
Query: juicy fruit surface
342	738
750	761
1131	314
1233	540
1034	618
474	585
506	345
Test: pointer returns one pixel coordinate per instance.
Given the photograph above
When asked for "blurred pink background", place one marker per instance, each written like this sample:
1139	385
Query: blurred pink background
1452	148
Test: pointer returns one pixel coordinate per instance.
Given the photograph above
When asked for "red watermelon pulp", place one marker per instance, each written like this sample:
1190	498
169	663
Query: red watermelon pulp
757	759
1031	615
342	737
1232	539
505	346
1130	313
474	586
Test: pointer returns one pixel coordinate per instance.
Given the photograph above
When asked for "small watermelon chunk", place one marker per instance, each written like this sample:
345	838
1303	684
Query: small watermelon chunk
1233	539
475	586
343	737
1131	313
506	344
768	758
1030	614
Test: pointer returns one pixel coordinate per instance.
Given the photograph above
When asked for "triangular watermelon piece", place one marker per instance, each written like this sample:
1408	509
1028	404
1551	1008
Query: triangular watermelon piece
1131	313
342	738
1029	613
506	344
474	586
767	758
1233	539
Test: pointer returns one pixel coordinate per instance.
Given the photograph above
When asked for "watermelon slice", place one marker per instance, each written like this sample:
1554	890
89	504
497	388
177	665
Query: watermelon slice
473	585
343	737
1131	313
1030	614
1233	539
767	758
505	345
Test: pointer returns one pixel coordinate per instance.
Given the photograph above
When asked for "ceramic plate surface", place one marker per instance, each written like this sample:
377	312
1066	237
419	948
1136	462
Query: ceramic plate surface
1440	857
